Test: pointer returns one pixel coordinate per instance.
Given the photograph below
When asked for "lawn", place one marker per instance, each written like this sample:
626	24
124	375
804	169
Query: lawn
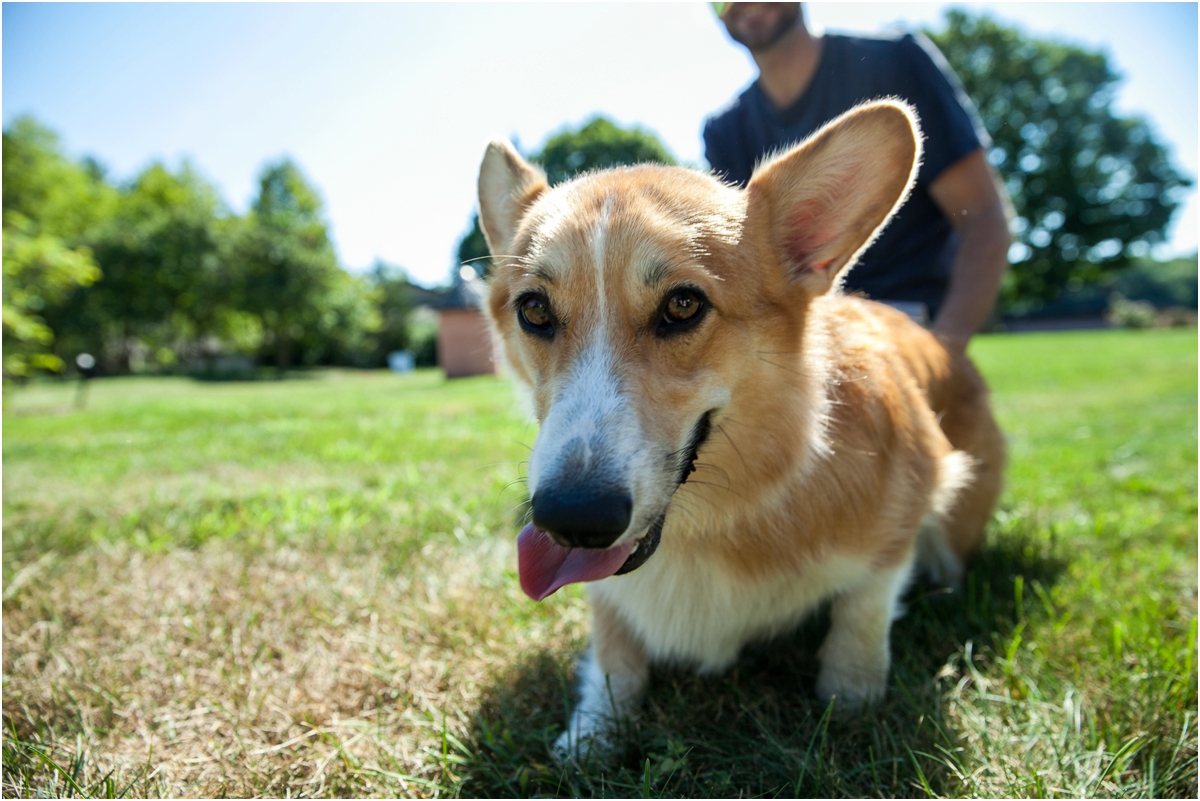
308	587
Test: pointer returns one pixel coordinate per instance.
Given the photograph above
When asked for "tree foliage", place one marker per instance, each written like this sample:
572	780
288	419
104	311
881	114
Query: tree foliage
50	207
290	278
165	266
596	145
395	305
61	198
157	270
1091	190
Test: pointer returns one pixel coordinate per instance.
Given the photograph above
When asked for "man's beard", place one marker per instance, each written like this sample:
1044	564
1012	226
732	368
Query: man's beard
767	41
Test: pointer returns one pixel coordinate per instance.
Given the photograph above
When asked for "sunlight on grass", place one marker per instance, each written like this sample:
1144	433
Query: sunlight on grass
308	587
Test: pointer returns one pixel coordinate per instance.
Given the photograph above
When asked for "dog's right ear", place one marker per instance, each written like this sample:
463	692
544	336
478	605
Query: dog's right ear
824	201
508	186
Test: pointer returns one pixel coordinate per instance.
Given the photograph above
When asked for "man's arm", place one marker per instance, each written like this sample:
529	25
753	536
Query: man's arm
968	194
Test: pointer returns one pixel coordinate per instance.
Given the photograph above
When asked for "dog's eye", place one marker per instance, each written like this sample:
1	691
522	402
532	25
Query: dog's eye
681	309
681	306
534	313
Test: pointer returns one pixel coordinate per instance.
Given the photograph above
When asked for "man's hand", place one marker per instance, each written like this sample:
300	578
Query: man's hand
968	194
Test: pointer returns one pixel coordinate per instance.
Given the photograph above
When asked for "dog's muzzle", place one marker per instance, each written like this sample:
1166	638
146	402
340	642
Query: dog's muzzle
574	533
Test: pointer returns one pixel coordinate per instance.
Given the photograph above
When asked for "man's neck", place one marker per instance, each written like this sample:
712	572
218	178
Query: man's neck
787	68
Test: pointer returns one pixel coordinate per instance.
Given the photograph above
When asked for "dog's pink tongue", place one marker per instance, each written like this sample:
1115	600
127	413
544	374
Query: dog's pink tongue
545	566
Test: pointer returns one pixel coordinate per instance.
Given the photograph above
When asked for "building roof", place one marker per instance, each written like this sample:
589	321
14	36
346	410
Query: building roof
461	295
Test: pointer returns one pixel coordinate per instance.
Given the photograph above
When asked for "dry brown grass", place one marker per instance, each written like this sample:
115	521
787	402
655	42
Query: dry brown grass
204	673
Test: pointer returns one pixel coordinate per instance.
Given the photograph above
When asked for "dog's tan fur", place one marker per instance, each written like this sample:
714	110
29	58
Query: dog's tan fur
847	442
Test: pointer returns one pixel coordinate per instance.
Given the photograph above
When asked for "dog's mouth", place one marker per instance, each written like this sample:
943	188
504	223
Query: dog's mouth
545	566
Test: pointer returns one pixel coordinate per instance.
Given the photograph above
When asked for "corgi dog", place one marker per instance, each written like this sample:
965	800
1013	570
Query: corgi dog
727	441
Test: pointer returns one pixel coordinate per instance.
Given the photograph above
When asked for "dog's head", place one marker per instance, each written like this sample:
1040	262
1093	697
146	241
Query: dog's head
632	303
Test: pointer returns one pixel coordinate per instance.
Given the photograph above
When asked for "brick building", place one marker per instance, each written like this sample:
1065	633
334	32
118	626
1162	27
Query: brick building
464	345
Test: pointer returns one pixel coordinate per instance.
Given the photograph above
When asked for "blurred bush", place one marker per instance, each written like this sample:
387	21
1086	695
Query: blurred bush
1126	313
422	336
1164	285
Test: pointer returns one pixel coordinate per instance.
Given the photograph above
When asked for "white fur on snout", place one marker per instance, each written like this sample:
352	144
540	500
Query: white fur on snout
591	437
581	417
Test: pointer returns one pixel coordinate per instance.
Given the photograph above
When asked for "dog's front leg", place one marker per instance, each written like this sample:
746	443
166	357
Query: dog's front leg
612	678
855	655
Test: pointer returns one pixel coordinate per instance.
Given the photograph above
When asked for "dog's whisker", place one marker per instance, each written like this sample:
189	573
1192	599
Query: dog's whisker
514	482
711	466
493	464
481	258
721	428
680	511
518	506
688	506
781	367
728	485
727	420
693	485
726	488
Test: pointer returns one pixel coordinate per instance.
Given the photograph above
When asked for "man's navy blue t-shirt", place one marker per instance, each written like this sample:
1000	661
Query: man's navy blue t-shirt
911	260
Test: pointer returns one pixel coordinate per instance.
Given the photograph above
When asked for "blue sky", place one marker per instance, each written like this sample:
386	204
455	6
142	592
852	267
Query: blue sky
387	107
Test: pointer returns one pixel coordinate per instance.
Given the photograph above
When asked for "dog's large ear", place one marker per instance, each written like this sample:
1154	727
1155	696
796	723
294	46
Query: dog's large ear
824	201
508	185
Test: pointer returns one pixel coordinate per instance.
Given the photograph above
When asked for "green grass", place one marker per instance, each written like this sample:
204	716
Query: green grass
353	462
308	587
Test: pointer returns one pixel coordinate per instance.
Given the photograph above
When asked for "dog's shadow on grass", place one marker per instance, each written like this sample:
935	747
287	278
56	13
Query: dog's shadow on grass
758	729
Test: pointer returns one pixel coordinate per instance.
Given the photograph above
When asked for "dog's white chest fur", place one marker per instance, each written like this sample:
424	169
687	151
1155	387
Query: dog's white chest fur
692	610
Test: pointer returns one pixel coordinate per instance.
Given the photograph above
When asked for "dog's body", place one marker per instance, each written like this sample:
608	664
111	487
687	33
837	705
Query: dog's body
739	442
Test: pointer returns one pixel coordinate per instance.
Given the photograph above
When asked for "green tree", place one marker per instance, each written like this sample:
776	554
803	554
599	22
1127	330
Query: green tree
596	145
1091	190
50	208
167	284
395	305
342	328
291	280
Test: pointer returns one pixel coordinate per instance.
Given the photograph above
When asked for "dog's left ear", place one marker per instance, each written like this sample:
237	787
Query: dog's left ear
826	199
508	185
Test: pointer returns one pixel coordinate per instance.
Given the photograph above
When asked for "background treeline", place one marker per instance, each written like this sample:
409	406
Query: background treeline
157	273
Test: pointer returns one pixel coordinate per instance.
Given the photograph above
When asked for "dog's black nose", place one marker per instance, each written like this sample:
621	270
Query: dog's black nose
582	518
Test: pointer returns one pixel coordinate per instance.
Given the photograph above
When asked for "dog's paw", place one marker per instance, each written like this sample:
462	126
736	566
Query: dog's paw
853	688
587	738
